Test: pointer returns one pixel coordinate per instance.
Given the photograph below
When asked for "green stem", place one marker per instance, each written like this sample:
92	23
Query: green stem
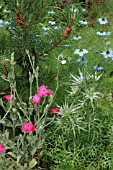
14	129
87	110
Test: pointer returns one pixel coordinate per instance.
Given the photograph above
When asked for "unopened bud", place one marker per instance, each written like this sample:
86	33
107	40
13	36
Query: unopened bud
37	68
33	57
27	51
12	57
18	5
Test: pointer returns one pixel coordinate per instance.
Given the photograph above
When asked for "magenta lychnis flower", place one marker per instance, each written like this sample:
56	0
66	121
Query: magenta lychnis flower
36	99
8	97
28	127
1	148
54	110
43	91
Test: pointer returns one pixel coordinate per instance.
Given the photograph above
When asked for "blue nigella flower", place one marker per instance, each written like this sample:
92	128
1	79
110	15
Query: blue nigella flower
7	11
82	60
108	43
96	51
51	12
1	23
108	53
56	27
98	67
103	33
61	59
46	33
45	28
81	52
6	23
66	45
83	22
102	21
73	10
77	38
52	22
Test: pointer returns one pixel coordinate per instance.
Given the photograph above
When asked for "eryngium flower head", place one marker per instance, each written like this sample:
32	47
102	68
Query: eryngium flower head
91	94
67	109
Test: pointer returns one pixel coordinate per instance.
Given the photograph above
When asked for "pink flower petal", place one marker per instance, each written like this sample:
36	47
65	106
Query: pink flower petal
1	148
36	99
8	97
28	127
54	110
43	91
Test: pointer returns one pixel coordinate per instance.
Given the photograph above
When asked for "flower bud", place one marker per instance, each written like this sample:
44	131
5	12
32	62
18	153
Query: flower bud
18	5
27	51
33	57
12	57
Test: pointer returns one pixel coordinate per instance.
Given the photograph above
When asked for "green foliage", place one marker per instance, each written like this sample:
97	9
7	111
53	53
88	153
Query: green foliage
21	149
83	140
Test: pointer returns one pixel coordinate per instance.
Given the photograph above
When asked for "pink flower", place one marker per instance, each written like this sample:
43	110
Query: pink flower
43	91
55	110
36	99
8	97
28	127
1	148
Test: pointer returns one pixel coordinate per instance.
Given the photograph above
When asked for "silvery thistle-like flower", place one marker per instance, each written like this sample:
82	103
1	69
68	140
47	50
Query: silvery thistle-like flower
77	81
81	82
102	21
81	52
66	110
91	94
70	114
83	22
77	38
